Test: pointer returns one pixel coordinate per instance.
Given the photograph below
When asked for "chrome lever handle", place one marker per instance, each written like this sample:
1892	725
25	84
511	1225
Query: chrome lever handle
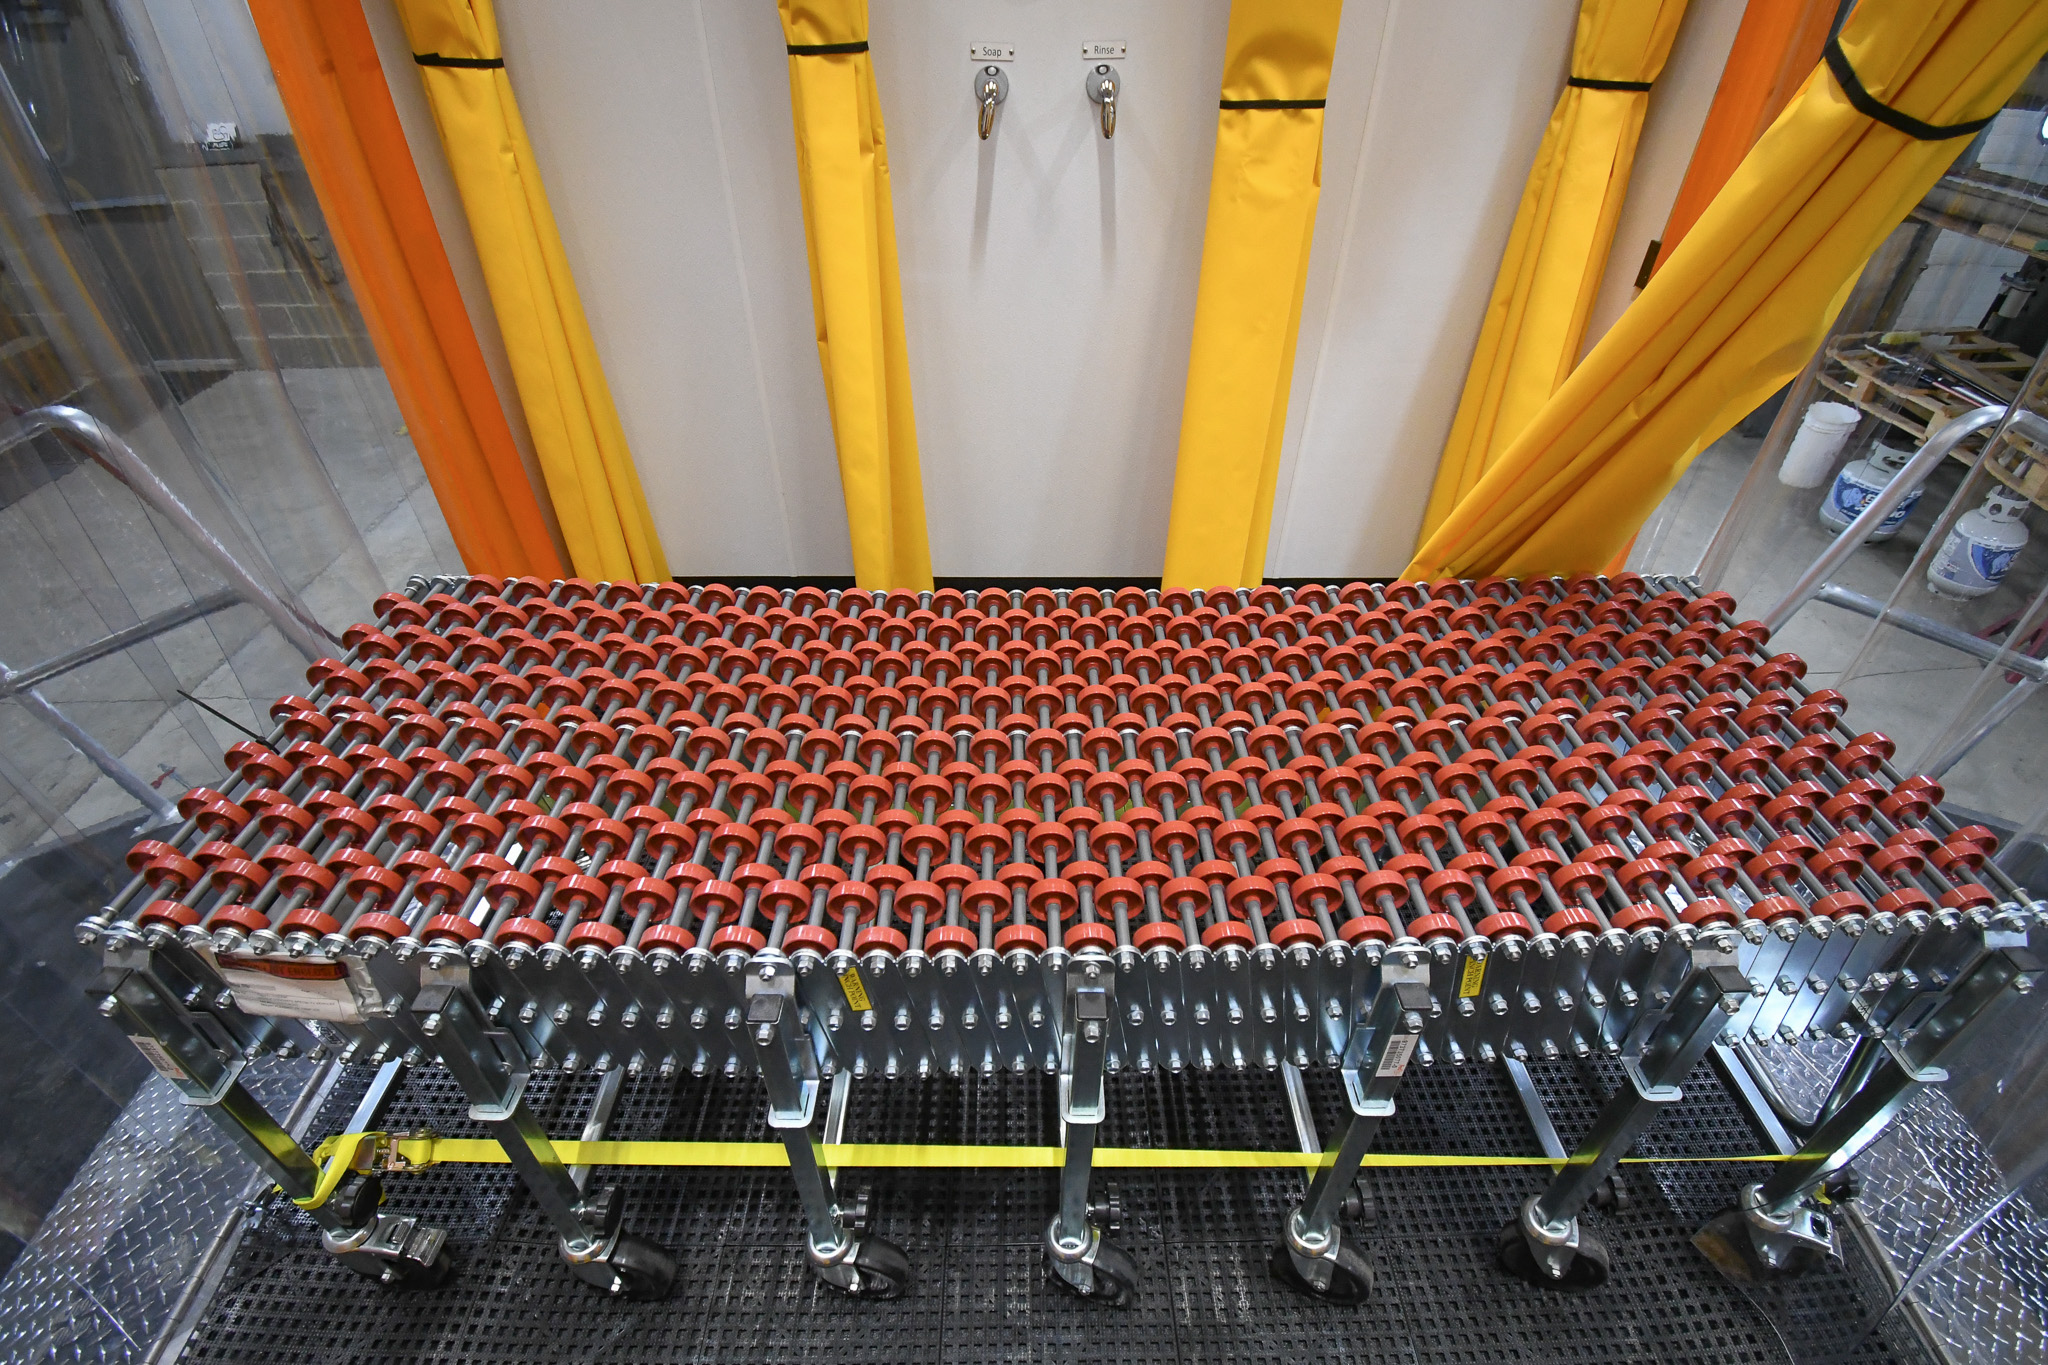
1102	86
991	87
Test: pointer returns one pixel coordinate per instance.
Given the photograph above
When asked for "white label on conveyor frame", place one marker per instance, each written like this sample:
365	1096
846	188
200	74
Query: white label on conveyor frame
1400	1048
158	1056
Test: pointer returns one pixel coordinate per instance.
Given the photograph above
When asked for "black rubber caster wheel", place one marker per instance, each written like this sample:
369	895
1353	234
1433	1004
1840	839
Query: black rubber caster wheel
432	1275
646	1269
882	1270
1589	1268
1350	1278
400	1273
1113	1275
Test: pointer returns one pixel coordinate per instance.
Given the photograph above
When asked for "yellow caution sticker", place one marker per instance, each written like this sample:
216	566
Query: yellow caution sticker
1474	977
856	992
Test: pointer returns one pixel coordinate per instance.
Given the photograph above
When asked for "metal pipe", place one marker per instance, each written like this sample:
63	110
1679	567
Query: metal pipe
1719	556
1927	628
197	609
124	464
1894	492
2015	697
600	1119
102	757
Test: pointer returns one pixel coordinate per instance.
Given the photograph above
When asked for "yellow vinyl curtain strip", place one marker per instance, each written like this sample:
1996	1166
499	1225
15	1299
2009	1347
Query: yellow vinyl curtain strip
1556	254
856	295
582	449
1749	294
1262	211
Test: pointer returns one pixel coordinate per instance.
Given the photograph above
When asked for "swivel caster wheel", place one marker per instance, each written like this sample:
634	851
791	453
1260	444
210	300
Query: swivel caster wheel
1748	1255
404	1272
432	1275
1586	1266
1753	1244
634	1268
1105	1273
875	1268
1727	1242
397	1250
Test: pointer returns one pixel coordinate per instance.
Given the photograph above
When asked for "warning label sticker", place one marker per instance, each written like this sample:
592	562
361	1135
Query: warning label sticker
1474	977
856	992
301	988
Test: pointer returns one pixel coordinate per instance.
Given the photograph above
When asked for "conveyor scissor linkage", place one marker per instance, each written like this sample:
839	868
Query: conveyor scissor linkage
526	825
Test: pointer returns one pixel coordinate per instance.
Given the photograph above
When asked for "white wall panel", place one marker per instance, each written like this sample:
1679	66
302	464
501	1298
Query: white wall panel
1049	277
662	131
1049	274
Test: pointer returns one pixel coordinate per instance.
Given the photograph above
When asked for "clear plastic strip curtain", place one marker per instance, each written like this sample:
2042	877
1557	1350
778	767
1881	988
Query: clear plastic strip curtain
168	274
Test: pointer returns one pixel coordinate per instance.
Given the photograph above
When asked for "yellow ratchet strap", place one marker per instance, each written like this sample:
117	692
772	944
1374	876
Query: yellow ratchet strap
344	1152
406	1152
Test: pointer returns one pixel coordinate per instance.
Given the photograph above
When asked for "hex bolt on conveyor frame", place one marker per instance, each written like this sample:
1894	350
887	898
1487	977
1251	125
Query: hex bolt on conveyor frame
526	826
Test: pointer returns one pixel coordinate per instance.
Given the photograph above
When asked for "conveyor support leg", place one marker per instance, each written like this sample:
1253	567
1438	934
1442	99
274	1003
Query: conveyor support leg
191	1049
487	1065
860	1264
1546	1245
1781	1226
1313	1256
1081	1258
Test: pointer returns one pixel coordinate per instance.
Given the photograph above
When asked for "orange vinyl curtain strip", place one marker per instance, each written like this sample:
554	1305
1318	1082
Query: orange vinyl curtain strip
1776	47
348	133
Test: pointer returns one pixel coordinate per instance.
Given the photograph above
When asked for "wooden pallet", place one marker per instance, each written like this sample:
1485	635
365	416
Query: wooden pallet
1901	384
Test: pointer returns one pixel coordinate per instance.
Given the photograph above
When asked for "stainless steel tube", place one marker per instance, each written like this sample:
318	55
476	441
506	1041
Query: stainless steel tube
1927	628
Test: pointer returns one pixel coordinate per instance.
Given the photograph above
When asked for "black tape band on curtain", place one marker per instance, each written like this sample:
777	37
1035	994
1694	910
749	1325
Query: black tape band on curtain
1588	83
1870	107
826	49
467	63
1270	104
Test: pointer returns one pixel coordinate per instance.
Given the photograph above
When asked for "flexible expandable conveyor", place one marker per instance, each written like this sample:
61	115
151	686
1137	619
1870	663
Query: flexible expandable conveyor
656	829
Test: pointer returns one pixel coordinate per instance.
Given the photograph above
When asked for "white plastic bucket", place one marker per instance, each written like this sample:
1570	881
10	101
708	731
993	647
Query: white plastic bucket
1819	439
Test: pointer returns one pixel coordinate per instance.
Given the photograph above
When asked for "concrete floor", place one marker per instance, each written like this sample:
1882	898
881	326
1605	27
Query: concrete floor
1910	689
82	558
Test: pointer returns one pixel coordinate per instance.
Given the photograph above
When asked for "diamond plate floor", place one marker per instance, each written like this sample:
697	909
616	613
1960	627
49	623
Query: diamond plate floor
115	1254
1922	1182
1200	1239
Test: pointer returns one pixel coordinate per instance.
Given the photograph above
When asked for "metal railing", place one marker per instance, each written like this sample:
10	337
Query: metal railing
119	459
1814	582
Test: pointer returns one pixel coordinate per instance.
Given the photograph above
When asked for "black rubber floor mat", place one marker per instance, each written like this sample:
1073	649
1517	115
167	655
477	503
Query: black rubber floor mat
981	1293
